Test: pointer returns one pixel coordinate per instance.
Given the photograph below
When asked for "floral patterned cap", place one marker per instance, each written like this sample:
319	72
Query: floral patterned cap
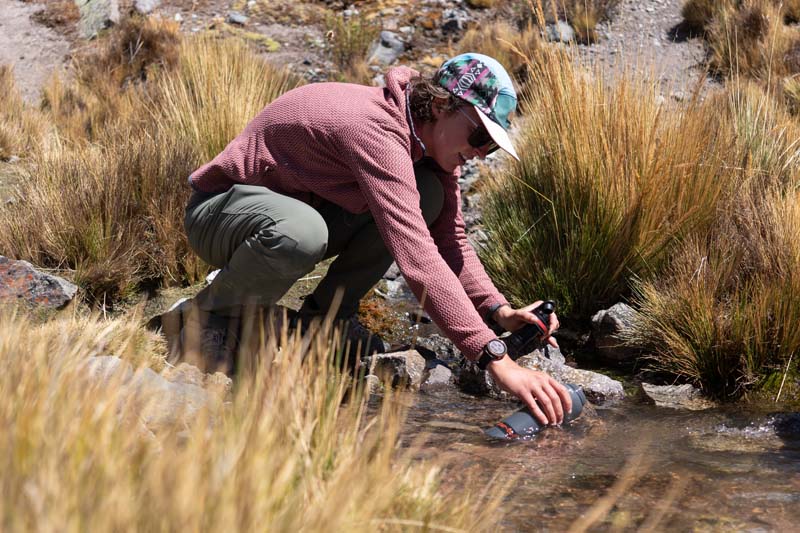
484	83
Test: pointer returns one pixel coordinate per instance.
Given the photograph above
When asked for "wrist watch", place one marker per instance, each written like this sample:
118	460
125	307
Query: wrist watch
494	350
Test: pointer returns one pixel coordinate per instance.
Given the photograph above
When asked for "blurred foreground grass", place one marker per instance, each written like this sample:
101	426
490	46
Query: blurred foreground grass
292	448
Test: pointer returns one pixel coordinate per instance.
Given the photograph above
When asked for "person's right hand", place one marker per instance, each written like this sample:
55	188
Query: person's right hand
531	385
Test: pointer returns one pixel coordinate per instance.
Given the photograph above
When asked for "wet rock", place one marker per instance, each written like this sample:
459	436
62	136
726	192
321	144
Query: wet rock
439	377
597	387
560	32
608	326
96	15
454	20
399	368
160	404
21	282
373	384
787	425
145	7
387	49
234	17
441	346
677	396
393	272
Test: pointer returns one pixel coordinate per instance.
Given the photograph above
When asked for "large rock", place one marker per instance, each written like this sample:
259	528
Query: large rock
560	32
145	7
387	49
677	396
439	377
405	368
608	327
160	404
21	282
597	387
96	15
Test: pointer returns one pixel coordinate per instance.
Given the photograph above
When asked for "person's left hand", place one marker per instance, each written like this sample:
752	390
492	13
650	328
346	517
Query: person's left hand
512	319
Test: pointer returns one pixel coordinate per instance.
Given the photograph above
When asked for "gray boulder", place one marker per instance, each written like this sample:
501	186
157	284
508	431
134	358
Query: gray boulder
387	49
20	282
439	377
454	20
145	7
560	32
234	17
608	329
159	403
597	387
96	15
399	368
677	396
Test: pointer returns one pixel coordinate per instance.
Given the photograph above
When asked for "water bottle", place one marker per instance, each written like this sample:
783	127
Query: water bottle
527	338
523	424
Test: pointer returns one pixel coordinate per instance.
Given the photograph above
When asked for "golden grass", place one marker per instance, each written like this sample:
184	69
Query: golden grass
21	127
349	41
106	198
737	283
509	46
286	452
610	180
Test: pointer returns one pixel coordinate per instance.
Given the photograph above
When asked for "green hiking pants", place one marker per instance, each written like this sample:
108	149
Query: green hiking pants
263	242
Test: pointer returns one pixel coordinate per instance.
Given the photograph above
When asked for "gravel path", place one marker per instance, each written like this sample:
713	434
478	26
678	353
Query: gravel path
645	34
34	50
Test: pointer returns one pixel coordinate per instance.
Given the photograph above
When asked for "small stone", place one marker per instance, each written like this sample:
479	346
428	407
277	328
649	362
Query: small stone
560	32
677	396
438	377
178	17
454	20
399	368
608	327
96	15
373	384
145	7
234	17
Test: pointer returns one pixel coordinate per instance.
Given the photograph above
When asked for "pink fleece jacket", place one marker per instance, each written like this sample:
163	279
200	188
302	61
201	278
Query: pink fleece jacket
352	145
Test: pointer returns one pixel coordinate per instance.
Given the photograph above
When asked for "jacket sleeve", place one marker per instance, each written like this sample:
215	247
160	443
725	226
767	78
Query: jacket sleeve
381	161
450	236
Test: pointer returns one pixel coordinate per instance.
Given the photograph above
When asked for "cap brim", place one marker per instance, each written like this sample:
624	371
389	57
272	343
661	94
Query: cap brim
498	134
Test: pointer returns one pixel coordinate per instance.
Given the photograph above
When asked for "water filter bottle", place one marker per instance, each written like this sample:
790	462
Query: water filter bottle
529	337
522	423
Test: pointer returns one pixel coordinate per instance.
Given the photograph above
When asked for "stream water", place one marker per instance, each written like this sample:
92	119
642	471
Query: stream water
635	466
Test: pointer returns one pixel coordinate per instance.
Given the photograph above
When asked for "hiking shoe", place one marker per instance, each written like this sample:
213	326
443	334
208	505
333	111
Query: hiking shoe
210	342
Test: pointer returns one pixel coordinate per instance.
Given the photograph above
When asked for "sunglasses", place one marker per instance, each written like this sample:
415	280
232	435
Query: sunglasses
479	137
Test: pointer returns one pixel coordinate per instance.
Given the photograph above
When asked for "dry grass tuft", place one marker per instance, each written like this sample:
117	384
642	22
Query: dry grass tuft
22	129
349	41
57	13
509	46
288	450
739	279
589	208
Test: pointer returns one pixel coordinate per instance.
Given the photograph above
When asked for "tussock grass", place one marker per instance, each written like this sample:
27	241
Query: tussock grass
738	283
288	452
610	181
218	86
21	128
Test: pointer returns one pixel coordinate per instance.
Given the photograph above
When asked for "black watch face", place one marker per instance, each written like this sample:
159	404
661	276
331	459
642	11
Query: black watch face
496	348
